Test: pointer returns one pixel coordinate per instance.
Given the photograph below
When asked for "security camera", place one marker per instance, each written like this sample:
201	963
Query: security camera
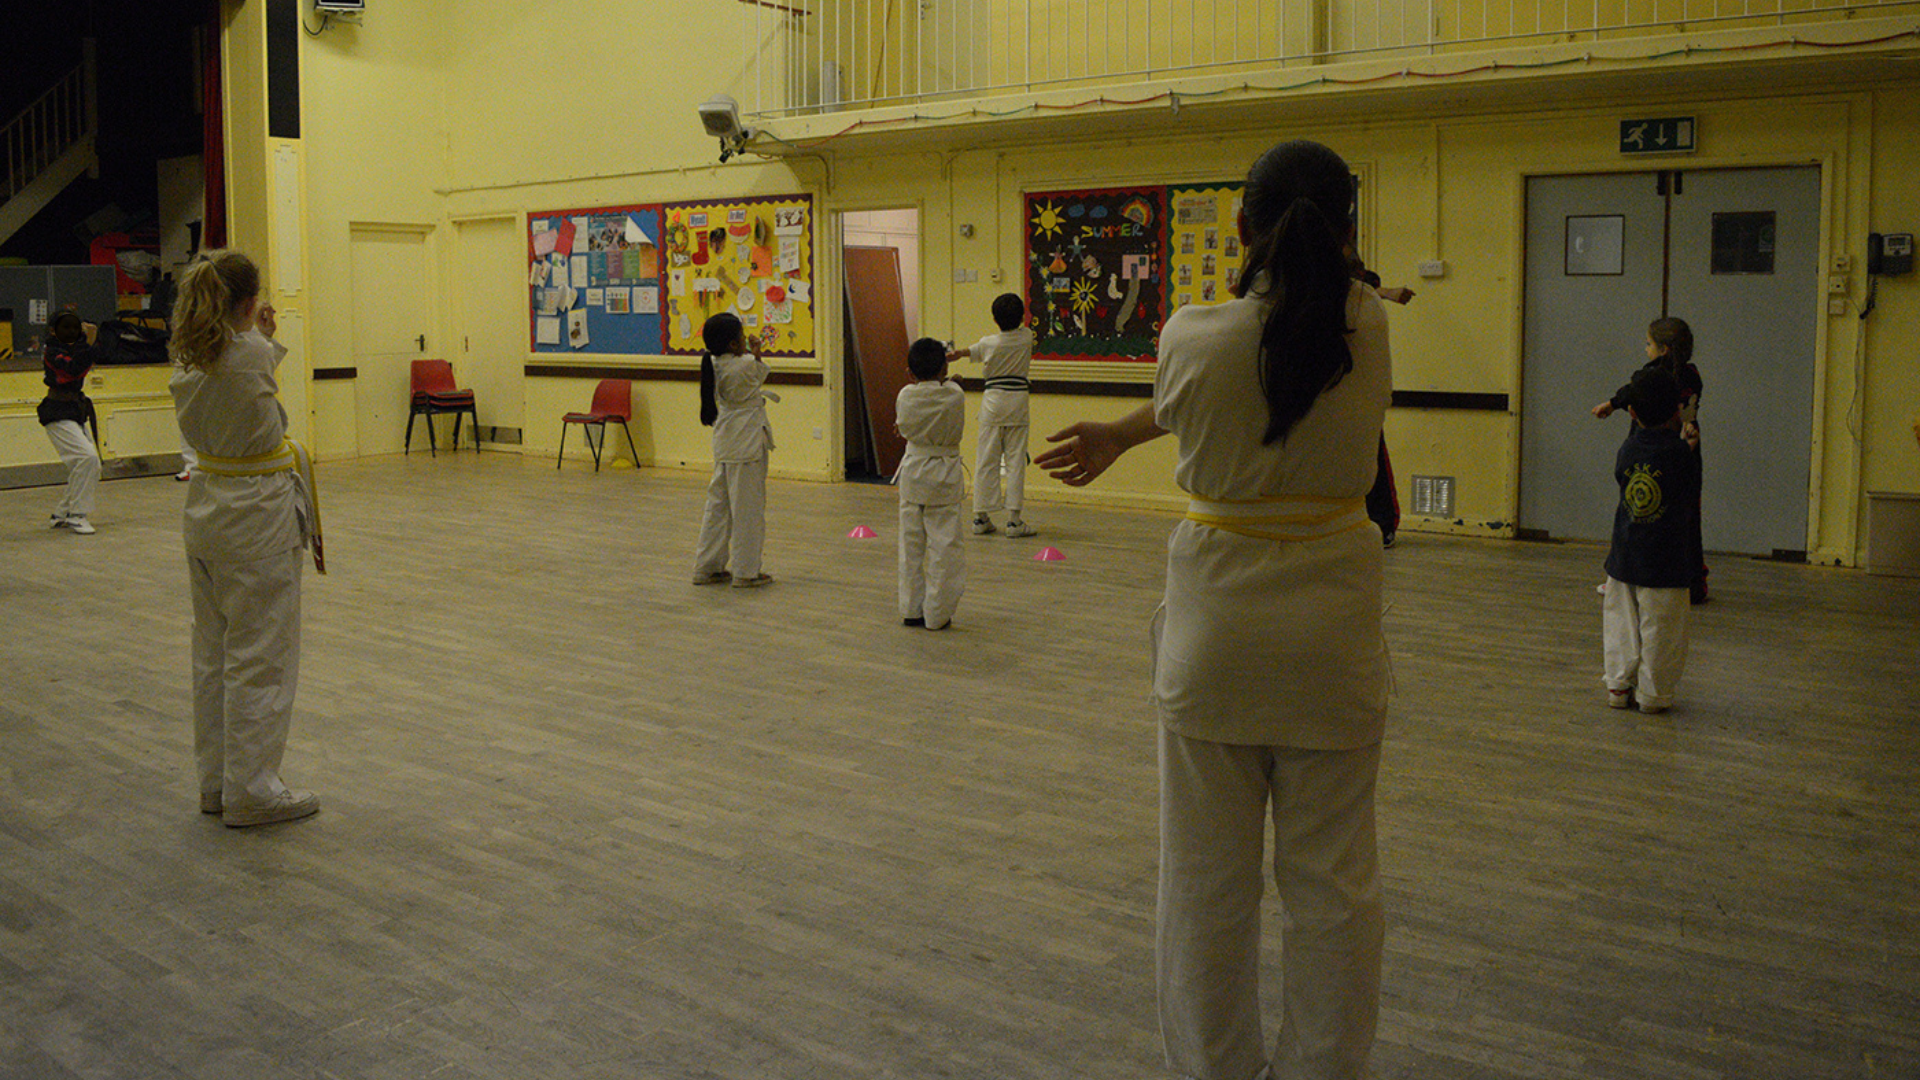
720	115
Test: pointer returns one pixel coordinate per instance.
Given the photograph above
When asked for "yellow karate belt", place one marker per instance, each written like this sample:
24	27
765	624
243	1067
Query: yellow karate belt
291	457
1281	517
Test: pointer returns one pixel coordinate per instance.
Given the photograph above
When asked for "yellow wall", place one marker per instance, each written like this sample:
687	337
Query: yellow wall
142	387
437	113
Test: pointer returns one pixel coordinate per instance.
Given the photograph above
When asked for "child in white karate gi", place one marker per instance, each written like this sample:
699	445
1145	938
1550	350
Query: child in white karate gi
1006	358
249	514
733	404
930	414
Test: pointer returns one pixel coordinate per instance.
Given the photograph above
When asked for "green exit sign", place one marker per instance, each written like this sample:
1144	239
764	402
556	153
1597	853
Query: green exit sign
1661	135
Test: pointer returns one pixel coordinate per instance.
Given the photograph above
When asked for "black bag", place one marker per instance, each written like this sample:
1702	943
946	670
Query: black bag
122	342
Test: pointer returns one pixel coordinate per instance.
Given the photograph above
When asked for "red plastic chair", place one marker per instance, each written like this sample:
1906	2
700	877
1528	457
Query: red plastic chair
434	392
612	401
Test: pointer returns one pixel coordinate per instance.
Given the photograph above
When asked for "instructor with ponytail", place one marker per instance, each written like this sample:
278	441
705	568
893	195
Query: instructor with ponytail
1269	669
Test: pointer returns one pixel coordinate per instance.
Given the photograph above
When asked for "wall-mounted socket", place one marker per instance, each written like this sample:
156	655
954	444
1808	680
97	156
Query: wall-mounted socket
819	433
1837	285
1836	305
963	276
1433	268
1843	264
993	275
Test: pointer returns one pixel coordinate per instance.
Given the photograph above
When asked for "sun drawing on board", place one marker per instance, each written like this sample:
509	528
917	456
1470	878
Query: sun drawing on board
1047	220
1083	297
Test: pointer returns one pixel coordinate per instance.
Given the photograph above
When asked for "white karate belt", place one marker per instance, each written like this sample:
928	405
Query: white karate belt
291	457
1281	517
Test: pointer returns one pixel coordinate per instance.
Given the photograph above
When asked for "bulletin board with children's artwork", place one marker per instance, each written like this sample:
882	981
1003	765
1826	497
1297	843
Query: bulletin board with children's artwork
1204	259
753	257
1096	279
594	280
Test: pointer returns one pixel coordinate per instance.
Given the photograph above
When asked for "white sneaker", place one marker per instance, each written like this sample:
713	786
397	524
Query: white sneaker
289	805
80	525
982	525
57	522
1017	528
183	474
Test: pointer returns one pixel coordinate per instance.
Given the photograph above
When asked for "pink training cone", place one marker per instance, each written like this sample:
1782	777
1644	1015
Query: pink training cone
861	532
1049	554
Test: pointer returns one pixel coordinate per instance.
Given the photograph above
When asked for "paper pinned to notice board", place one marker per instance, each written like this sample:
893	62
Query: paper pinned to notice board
544	241
579	236
580	275
646	301
577	328
635	234
546	331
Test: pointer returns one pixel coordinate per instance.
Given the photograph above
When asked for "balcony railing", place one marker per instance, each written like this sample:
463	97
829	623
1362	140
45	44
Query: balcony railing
816	56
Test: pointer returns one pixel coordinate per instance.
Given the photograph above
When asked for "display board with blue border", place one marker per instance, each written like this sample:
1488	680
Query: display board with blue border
593	280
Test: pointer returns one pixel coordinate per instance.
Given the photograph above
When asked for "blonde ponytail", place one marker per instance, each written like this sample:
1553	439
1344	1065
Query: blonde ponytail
214	288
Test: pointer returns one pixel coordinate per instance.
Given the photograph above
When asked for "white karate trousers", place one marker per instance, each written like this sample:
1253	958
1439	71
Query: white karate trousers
82	459
1643	633
736	519
933	563
246	666
1003	451
1214	800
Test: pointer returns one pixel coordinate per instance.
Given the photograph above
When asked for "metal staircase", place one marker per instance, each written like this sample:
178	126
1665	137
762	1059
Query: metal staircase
48	146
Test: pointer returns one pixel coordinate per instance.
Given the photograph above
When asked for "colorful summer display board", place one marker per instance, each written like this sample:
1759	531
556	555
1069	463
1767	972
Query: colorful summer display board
753	257
594	280
1096	273
1106	268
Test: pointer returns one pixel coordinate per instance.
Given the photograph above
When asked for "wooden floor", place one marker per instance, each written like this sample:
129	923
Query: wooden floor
583	820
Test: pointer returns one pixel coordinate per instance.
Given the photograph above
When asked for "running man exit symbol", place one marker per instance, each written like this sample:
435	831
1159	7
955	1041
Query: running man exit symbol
1661	135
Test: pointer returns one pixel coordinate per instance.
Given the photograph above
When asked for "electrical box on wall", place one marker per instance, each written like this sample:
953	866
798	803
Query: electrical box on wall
1889	253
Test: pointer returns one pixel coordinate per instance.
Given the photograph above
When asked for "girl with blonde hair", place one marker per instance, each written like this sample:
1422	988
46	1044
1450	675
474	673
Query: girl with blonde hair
249	514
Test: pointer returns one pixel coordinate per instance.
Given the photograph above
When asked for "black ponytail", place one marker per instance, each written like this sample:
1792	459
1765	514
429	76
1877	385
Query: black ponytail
720	334
709	408
1296	202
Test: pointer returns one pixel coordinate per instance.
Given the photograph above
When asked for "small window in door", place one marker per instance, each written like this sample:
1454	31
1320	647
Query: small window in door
1595	245
1743	242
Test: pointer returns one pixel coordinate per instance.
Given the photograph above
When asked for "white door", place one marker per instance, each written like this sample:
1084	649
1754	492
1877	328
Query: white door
393	311
490	319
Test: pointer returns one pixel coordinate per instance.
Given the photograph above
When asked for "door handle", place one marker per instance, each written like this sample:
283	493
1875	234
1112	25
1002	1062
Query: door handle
422	339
